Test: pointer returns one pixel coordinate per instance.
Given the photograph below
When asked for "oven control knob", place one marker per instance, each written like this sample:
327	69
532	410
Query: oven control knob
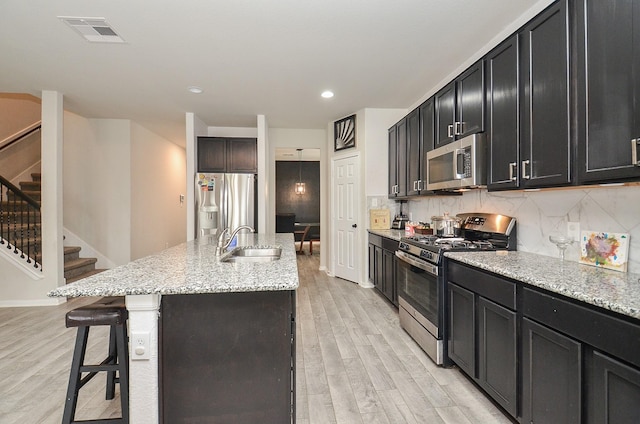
403	246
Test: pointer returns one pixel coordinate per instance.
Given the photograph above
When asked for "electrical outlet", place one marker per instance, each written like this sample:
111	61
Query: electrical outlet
573	230
140	345
374	202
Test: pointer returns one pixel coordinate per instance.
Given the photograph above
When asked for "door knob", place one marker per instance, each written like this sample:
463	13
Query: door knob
354	226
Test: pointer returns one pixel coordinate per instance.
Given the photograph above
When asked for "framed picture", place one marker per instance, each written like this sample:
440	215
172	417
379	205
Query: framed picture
344	132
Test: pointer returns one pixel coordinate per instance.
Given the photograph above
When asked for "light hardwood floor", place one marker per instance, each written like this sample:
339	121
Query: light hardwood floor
354	364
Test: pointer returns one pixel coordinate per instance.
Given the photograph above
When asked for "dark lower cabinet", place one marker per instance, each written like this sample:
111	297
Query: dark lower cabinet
227	358
551	376
461	340
389	272
613	391
382	266
497	353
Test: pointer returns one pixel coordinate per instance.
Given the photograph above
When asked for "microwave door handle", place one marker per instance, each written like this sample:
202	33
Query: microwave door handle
459	164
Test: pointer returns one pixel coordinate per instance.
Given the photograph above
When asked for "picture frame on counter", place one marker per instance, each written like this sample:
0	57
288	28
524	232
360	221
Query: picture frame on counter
344	133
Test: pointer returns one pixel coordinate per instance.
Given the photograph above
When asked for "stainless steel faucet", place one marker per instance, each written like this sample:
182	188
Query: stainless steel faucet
223	243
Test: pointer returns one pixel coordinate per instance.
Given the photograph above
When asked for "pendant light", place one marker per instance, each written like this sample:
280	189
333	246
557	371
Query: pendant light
300	188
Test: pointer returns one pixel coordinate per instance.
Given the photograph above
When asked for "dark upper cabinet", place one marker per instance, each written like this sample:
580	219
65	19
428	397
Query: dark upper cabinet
212	154
393	161
415	161
608	50
219	154
398	136
545	155
445	109
459	106
551	376
242	155
503	136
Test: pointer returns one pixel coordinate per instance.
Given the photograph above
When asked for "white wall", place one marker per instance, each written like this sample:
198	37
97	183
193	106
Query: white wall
194	127
158	178
97	181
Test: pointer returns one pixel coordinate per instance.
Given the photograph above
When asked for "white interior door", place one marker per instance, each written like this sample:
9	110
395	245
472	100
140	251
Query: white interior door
346	247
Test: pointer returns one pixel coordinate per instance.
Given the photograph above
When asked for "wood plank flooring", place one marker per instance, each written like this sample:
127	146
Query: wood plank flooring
354	364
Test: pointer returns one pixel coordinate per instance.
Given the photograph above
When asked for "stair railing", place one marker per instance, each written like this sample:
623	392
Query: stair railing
20	135
19	227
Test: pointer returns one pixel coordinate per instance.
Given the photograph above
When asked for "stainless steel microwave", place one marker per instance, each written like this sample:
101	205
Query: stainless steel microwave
458	165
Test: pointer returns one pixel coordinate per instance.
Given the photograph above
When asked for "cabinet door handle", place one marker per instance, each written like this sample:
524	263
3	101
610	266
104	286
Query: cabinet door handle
512	171
450	131
524	170
634	151
415	184
458	128
419	185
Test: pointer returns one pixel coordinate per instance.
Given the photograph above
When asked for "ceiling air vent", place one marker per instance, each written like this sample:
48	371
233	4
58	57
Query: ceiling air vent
95	30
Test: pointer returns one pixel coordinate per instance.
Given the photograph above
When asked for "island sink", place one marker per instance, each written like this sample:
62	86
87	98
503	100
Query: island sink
252	254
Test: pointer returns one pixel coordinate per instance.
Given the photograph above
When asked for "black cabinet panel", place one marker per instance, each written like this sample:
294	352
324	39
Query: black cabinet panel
382	266
609	90
445	109
427	137
212	154
215	348
461	340
545	138
497	353
372	263
378	280
470	101
388	273
242	155
231	155
551	376
613	391
401	158
393	161
414	149
502	116
485	284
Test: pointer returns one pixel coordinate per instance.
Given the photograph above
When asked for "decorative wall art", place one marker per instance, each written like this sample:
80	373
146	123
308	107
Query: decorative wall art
606	250
344	132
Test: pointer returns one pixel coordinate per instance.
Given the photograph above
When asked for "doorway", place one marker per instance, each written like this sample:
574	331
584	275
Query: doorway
345	211
297	192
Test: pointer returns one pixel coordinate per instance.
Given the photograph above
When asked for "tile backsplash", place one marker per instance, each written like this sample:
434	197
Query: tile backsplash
541	213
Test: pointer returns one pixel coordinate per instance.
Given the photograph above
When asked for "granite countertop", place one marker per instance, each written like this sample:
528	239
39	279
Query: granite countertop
391	233
612	290
192	268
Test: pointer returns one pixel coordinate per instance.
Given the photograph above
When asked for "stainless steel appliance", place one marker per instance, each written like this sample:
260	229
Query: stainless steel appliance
422	283
458	165
224	201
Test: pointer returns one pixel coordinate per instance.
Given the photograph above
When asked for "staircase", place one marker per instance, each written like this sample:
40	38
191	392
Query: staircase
75	267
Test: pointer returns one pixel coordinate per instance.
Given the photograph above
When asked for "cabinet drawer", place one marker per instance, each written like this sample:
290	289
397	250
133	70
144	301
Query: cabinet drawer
499	290
616	336
375	240
389	244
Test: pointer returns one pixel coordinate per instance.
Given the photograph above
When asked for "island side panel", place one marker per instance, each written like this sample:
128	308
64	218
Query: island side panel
227	357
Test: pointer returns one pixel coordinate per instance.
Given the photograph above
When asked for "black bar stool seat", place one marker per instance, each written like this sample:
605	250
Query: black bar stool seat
109	311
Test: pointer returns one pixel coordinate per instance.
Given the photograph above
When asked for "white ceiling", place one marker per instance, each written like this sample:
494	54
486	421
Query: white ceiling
270	57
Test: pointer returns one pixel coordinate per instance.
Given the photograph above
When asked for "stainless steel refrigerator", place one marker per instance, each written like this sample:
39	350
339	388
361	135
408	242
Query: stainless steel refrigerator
224	201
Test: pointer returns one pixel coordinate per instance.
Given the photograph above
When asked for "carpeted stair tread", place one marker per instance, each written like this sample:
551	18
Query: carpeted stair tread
80	262
85	275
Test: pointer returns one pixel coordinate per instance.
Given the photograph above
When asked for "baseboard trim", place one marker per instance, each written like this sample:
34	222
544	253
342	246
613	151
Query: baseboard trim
33	302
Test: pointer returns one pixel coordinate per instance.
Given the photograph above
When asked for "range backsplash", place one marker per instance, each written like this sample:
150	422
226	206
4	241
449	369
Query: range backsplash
541	213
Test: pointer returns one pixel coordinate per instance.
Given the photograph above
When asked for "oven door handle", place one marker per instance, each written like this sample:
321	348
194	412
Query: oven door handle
418	263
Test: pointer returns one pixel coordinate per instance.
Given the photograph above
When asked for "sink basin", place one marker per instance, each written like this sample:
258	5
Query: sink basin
252	254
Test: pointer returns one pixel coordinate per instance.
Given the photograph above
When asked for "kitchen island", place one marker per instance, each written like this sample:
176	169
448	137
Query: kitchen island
190	307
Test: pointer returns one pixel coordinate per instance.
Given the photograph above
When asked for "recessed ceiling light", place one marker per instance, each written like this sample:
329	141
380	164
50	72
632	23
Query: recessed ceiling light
195	90
96	30
327	94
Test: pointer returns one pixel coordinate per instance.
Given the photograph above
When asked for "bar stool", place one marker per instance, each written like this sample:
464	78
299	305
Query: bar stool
109	311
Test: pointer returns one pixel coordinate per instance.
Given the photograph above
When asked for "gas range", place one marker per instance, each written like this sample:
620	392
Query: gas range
421	279
482	232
